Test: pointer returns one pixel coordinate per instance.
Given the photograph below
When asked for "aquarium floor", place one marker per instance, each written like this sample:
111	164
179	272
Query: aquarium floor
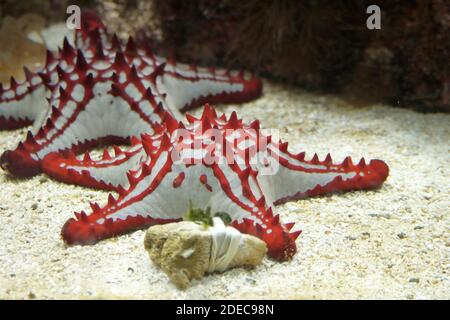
389	243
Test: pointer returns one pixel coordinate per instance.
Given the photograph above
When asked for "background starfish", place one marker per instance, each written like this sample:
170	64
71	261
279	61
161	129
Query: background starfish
102	91
199	168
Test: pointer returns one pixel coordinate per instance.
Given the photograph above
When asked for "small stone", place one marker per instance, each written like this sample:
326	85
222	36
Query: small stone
375	215
401	235
250	280
34	206
366	234
351	238
418	227
43	180
31	295
130	269
414	280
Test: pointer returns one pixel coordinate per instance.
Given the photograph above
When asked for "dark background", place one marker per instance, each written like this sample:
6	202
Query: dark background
322	46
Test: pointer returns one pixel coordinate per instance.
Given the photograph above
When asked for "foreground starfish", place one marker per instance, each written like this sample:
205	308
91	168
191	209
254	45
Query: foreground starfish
212	162
102	91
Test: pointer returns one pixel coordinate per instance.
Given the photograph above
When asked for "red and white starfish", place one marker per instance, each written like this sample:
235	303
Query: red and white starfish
211	162
102	91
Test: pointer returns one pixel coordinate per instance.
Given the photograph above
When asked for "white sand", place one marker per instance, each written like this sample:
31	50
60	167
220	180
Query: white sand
350	246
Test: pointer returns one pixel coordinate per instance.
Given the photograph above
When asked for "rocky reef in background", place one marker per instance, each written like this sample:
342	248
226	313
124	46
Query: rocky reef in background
319	45
18	51
407	62
20	25
51	10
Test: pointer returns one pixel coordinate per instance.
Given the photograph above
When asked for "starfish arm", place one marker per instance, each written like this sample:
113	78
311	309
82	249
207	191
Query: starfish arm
186	86
22	103
297	178
27	103
192	86
89	112
108	173
138	207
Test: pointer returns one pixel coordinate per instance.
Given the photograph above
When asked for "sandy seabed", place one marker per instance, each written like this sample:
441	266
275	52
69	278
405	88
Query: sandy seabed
390	243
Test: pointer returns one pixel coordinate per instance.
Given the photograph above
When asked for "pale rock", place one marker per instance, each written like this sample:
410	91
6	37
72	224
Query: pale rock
183	251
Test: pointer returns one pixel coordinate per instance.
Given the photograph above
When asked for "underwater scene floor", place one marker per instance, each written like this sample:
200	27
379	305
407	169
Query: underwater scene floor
387	243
